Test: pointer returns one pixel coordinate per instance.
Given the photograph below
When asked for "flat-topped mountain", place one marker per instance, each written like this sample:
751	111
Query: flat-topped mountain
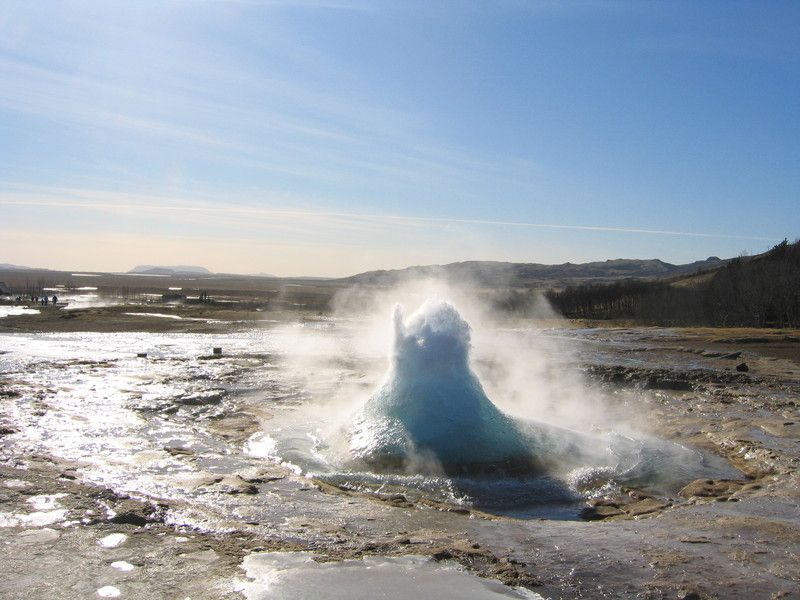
170	270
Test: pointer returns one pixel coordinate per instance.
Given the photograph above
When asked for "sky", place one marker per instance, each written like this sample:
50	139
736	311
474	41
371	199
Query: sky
329	137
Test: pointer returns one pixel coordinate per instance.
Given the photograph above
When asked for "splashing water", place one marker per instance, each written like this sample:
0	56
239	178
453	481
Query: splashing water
431	414
432	410
430	426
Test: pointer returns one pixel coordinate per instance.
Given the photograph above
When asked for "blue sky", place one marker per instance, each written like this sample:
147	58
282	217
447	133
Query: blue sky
331	137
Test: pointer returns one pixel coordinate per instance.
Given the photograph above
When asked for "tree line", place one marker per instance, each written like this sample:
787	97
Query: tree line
758	291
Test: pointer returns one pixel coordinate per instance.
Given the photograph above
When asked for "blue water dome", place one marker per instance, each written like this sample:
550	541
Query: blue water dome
431	410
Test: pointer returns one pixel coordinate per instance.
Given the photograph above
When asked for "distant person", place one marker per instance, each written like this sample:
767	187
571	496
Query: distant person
55	299
44	300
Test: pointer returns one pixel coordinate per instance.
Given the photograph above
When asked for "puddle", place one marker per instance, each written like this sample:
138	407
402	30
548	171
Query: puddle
15	311
296	576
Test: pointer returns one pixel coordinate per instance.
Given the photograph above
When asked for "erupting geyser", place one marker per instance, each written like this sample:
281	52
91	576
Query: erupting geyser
429	427
431	415
431	410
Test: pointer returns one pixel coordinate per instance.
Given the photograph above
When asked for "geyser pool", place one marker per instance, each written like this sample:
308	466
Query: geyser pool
429	428
431	414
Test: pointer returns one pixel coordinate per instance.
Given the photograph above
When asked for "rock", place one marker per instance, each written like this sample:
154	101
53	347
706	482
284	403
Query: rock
45	535
6	430
603	502
742	368
260	476
402	540
617	378
644	507
233	484
133	512
397	500
747	487
201	399
328	488
669	379
441	554
461	549
743	340
598	513
710	488
458	510
658	383
179	450
199	480
512	574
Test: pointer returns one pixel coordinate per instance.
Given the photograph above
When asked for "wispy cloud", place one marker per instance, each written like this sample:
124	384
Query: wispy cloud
324	4
224	107
110	201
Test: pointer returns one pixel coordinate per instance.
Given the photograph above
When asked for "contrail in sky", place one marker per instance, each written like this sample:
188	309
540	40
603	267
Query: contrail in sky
270	212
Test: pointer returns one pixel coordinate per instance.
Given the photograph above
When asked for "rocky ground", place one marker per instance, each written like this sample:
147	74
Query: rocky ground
732	393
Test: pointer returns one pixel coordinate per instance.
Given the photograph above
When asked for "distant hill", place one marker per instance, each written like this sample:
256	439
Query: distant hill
172	270
8	267
751	291
491	273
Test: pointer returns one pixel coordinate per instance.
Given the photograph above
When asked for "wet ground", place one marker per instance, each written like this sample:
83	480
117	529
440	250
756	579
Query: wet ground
125	421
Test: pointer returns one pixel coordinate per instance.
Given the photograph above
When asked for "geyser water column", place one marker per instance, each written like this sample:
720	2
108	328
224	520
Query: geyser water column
431	413
430	417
